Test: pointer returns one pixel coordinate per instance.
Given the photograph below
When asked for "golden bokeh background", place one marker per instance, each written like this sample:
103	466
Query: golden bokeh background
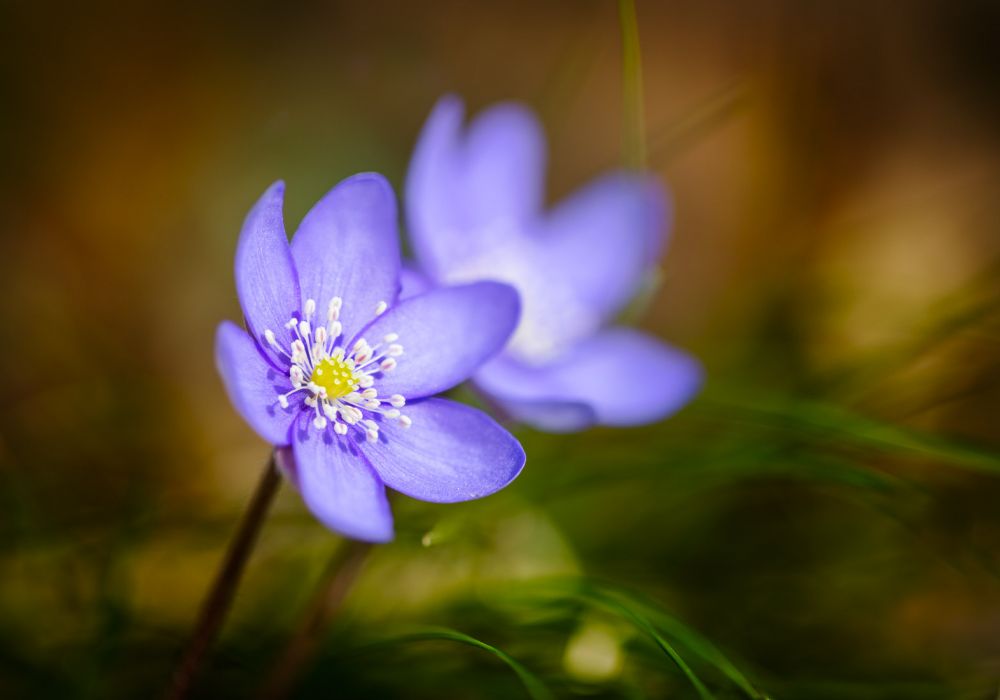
826	512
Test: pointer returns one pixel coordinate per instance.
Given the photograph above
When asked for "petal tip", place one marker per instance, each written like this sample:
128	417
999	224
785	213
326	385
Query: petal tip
368	176
449	103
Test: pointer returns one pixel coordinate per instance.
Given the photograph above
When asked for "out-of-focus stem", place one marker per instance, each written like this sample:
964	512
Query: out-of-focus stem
337	579
634	127
220	597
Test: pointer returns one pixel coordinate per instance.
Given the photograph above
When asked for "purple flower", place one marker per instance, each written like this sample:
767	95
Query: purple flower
337	369
475	212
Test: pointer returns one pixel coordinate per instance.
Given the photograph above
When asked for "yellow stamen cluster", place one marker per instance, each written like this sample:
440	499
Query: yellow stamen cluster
337	376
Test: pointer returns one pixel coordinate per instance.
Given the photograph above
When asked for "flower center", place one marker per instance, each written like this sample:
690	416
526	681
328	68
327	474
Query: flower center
553	317
339	380
336	377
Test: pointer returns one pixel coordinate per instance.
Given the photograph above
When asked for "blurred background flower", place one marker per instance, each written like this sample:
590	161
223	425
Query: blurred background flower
474	208
824	514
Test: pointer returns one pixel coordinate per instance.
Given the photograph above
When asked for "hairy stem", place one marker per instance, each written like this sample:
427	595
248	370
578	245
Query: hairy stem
220	597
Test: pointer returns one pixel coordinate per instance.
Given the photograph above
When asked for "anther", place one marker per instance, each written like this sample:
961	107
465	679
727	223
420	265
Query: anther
310	307
380	308
333	310
395	350
391	337
349	414
319	422
388	364
397	400
405	421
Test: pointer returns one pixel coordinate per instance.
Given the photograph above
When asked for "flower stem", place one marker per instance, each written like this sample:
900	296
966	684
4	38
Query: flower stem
335	582
635	128
220	597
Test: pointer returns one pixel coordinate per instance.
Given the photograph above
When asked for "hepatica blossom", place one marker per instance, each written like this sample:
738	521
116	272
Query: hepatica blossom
339	374
475	212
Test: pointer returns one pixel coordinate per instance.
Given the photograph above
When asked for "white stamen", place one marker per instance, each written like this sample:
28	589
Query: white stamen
343	392
405	421
350	414
333	310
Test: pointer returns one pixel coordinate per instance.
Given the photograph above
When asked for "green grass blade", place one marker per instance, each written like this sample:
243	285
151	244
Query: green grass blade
634	127
532	684
649	618
643	624
834	424
692	640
